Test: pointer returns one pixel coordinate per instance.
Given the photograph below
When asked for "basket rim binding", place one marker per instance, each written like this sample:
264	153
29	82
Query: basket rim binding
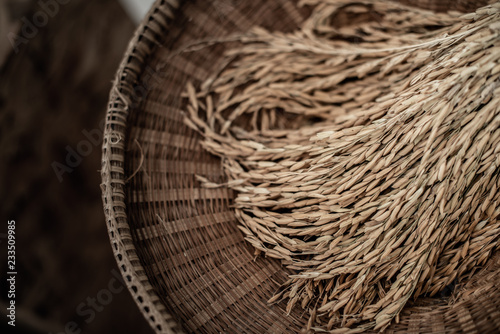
146	38
113	176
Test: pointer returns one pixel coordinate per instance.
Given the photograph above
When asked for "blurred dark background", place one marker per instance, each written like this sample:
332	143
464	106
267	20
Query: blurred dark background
57	62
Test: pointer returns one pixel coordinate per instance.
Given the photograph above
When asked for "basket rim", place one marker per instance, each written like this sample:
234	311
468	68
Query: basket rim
113	179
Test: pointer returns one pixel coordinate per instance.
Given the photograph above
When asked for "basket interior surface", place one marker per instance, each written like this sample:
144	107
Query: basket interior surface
185	260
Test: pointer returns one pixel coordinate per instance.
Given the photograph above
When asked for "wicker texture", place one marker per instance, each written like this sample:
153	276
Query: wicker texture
177	243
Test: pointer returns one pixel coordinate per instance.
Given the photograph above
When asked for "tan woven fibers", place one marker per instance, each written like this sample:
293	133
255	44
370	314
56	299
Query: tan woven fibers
364	156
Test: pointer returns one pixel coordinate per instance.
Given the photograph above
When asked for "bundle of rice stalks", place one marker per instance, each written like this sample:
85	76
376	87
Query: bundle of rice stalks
364	155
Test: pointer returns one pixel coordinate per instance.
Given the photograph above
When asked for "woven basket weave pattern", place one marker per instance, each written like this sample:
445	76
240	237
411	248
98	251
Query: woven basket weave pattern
177	244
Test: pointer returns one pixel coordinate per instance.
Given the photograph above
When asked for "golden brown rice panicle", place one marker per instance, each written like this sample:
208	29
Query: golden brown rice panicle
365	156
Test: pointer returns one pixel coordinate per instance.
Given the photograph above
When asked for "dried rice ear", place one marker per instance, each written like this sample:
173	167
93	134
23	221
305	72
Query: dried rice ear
368	166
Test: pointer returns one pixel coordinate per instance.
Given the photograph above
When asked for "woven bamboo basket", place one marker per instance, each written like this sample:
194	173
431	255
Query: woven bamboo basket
177	244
